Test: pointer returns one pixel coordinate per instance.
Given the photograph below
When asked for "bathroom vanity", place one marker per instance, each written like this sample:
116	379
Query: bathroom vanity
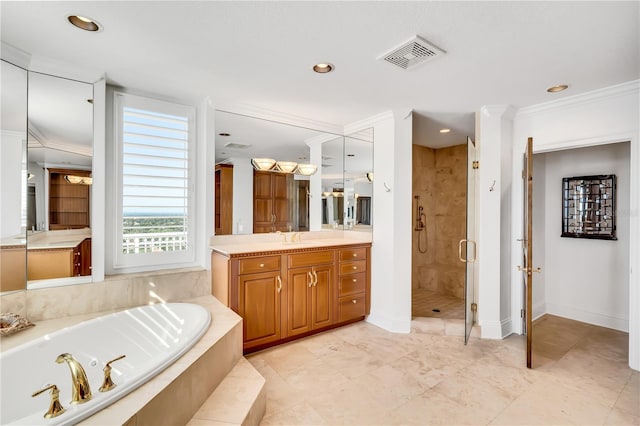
287	291
59	254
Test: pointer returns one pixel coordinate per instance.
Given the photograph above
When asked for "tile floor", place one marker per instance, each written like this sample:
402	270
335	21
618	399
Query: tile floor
423	302
363	375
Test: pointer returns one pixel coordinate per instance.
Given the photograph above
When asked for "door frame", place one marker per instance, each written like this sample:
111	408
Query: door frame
517	295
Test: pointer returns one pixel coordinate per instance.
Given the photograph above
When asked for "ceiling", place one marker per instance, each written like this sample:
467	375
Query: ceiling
261	53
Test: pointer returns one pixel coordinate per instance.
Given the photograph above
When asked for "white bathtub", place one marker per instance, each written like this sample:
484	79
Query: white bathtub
152	337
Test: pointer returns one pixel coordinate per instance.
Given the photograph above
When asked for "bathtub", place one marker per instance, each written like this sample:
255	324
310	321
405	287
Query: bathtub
152	337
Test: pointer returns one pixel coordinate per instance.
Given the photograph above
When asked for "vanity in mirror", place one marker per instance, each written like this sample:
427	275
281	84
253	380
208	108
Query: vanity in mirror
50	161
274	177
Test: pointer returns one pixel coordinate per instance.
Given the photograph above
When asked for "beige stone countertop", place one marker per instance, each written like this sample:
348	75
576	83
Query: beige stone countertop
57	239
260	243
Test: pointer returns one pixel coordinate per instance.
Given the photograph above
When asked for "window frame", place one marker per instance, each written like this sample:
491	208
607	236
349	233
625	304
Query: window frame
137	262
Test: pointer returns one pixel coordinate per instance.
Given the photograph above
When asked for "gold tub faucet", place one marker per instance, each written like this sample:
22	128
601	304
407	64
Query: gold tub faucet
80	389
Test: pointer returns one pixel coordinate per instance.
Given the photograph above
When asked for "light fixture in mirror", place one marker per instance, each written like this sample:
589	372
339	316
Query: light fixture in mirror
286	166
263	164
78	180
307	169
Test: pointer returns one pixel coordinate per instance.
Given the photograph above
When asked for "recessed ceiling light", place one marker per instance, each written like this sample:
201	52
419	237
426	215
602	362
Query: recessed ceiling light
84	23
558	88
323	68
351	155
90	101
224	134
445	130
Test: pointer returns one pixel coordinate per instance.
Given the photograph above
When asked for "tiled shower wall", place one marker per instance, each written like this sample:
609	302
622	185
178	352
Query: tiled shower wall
439	178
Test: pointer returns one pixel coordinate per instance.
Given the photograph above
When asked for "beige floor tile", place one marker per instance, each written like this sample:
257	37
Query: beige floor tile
300	414
476	395
314	377
363	375
551	403
621	418
629	399
349	404
432	408
201	422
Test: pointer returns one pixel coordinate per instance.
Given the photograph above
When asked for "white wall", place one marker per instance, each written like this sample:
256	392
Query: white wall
604	116
242	195
539	215
586	280
391	251
11	150
493	194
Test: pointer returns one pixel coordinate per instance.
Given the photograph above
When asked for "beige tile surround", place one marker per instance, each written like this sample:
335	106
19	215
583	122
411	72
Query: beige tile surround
115	292
439	178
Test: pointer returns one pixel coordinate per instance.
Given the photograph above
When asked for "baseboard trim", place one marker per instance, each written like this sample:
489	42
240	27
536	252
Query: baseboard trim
394	325
539	309
506	327
491	330
621	324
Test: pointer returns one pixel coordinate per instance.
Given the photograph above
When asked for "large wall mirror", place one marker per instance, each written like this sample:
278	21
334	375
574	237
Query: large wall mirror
13	179
46	169
249	201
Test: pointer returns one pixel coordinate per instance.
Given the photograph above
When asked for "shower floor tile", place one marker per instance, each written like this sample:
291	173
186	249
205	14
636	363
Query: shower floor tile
424	301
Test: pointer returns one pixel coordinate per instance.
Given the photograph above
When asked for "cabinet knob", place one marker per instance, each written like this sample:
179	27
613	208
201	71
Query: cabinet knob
354	301
355	254
354	267
355	280
262	265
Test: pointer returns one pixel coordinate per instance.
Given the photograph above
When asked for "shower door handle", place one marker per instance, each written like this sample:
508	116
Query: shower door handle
467	242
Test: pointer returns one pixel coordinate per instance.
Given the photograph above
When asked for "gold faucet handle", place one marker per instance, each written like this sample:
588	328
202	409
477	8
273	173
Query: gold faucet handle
55	408
108	384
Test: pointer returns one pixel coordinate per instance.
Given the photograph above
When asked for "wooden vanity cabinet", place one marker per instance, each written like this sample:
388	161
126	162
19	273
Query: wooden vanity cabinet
309	291
49	263
287	294
258	299
353	299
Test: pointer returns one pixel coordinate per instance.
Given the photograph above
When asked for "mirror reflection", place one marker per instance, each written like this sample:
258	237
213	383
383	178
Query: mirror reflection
346	197
13	179
248	200
60	146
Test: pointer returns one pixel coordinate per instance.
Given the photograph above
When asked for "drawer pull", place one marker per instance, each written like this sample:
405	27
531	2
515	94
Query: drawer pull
354	267
355	280
355	254
354	301
262	265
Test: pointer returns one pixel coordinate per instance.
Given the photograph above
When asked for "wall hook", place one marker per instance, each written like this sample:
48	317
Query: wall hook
493	186
386	187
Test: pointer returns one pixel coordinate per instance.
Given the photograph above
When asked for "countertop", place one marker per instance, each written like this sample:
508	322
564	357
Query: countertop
57	239
258	243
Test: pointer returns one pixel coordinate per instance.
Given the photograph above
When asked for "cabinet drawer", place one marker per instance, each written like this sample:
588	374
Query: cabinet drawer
353	254
353	267
351	307
259	264
310	259
351	284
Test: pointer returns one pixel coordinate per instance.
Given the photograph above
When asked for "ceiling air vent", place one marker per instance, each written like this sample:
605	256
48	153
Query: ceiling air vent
412	53
236	145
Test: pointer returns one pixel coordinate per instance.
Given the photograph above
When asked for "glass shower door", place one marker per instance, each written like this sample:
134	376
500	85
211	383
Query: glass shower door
470	242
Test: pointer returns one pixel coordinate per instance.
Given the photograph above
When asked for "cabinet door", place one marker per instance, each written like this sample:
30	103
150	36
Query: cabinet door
85	257
281	200
321	296
299	301
263	219
259	306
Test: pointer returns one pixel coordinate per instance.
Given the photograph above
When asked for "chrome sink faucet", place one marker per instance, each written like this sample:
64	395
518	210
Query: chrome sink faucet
80	389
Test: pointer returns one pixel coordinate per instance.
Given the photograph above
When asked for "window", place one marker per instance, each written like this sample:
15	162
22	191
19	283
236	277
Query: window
155	211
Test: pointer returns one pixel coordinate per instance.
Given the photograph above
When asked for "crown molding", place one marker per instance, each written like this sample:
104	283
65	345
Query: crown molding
622	89
15	56
357	126
281	117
